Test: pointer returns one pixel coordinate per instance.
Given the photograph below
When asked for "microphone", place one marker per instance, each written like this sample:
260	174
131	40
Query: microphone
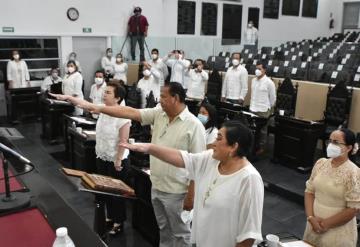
14	153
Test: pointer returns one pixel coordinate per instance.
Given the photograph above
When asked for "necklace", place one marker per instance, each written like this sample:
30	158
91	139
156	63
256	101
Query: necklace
214	184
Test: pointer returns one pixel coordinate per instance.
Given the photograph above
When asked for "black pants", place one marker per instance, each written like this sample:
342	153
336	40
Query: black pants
115	206
140	38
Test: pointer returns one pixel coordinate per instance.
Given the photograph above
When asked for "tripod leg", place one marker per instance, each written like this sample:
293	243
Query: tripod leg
122	47
147	48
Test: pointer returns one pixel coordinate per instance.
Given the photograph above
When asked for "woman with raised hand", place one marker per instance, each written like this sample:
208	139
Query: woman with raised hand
229	191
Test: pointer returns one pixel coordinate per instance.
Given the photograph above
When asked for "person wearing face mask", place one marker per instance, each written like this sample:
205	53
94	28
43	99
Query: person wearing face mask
120	68
52	79
107	62
208	117
332	195
72	57
251	34
97	89
17	72
72	84
137	30
158	63
149	83
263	98
198	79
178	65
235	84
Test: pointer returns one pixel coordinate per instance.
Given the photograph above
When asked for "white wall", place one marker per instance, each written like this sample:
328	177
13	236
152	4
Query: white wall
109	18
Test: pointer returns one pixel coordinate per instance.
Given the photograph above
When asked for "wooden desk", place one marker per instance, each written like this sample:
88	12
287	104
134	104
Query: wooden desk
23	102
295	142
51	118
82	151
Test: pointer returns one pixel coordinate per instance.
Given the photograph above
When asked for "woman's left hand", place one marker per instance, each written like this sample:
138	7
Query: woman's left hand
324	225
117	165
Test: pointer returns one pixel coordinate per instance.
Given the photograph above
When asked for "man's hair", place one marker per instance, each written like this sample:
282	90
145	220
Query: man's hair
176	88
155	50
264	66
100	71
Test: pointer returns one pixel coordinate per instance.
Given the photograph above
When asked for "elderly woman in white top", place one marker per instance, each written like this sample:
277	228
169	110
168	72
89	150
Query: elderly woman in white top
52	79
120	69
229	191
112	160
72	84
17	72
107	62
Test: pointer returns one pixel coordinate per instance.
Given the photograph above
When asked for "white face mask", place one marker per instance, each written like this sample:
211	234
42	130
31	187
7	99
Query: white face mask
333	151
258	73
71	69
119	59
154	56
250	25
54	75
16	56
109	54
146	72
180	56
99	80
235	62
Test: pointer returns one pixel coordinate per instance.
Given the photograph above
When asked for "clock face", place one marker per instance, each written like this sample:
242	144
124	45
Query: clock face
73	14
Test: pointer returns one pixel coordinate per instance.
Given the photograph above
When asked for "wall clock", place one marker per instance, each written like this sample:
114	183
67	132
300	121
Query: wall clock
72	14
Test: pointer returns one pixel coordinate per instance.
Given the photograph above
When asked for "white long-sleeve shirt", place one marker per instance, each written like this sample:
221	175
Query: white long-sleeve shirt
197	83
108	64
263	94
235	84
120	72
72	85
178	67
162	68
18	73
151	84
251	35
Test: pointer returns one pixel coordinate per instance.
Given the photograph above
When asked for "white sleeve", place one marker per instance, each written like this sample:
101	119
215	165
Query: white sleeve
196	164
78	85
155	73
26	71
92	93
244	84
251	209
185	63
204	75
224	85
165	70
272	93
9	71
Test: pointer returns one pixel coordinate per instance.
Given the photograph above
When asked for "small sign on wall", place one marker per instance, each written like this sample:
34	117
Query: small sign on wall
87	30
8	29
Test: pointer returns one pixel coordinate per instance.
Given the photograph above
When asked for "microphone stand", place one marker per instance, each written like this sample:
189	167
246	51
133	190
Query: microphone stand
15	200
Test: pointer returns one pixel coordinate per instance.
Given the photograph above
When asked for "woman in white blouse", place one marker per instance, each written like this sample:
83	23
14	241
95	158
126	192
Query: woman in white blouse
208	117
107	62
120	69
229	191
72	84
17	72
111	159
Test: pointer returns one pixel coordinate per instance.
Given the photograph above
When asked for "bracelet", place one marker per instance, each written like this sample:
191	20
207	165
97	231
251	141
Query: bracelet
309	217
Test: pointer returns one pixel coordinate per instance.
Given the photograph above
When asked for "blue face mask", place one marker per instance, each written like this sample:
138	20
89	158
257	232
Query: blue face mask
203	119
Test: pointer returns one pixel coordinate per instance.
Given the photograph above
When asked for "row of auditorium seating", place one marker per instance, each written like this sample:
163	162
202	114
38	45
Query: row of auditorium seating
327	60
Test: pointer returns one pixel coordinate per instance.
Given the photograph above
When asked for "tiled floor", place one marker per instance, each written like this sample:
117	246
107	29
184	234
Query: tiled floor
280	214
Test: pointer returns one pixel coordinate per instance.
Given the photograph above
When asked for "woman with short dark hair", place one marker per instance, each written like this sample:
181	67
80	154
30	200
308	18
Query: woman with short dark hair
332	195
208	117
229	191
17	71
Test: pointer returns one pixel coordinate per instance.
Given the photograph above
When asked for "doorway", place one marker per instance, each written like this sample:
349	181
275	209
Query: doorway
89	52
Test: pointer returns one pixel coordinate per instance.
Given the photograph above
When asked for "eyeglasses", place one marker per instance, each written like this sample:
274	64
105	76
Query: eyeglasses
335	142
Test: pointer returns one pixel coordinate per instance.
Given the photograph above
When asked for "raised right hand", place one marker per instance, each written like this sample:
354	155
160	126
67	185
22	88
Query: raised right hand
60	96
137	147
